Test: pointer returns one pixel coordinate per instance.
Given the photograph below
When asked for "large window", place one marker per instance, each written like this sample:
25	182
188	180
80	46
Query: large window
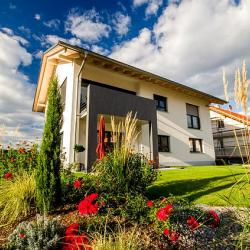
195	145
161	103
163	143
193	120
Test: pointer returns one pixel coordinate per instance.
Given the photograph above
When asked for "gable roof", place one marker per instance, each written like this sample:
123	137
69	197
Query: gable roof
63	51
228	113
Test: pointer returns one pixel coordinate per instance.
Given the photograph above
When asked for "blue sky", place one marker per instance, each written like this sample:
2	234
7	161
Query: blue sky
189	41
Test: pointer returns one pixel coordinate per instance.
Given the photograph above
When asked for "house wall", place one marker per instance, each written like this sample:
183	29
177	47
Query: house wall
173	122
68	72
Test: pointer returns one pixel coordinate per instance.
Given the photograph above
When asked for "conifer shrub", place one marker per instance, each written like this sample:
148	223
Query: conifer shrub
48	170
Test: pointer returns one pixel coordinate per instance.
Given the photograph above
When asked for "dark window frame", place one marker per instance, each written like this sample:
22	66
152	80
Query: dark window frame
158	100
161	147
194	149
192	118
220	124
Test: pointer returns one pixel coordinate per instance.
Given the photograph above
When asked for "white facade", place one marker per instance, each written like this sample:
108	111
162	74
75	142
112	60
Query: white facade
172	123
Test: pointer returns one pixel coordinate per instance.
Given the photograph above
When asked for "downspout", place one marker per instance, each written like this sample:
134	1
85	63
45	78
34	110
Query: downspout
78	112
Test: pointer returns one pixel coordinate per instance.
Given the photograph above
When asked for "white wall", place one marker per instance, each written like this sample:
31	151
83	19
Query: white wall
174	124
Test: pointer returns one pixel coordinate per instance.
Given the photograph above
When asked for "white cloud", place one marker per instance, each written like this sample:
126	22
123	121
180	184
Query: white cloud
99	50
16	92
53	23
152	5
38	54
87	26
12	6
192	41
121	23
37	17
49	40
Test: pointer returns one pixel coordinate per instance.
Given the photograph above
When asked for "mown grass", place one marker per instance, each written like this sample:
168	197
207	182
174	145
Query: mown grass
212	185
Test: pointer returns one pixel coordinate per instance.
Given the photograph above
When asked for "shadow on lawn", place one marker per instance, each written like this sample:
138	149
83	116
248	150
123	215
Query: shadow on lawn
191	189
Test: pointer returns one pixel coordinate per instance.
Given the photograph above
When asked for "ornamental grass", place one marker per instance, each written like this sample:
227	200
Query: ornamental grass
17	197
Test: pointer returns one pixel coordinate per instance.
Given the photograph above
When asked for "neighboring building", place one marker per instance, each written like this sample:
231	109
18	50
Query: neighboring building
173	119
226	126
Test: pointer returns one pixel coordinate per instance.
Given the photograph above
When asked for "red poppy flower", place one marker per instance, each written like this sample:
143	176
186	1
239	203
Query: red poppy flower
77	184
87	205
150	204
174	236
72	229
8	176
163	213
215	217
193	223
166	232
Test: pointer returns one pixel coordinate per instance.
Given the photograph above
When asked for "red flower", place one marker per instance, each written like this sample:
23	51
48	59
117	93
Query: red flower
163	213
77	184
22	236
193	223
166	232
215	217
174	236
87	205
8	176
73	229
150	204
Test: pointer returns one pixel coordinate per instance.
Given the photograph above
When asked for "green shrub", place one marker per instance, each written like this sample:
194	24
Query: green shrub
135	208
48	170
134	176
35	235
17	197
71	194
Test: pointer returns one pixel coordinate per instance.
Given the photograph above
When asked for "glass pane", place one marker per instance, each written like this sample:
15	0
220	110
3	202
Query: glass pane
196	122
192	110
198	145
191	145
189	121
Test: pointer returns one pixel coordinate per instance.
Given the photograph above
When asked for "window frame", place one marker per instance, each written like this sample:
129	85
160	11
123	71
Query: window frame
159	98
160	147
193	117
194	149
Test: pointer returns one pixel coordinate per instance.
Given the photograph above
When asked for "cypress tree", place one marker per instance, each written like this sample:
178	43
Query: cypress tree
48	181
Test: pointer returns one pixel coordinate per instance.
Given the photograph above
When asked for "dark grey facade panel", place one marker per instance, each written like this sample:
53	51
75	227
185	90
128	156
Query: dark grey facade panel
110	102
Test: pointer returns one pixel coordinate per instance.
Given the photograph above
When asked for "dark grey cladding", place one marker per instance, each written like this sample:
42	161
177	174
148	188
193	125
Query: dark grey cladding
102	100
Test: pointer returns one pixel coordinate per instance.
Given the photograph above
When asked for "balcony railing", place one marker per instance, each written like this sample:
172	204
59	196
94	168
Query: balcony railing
83	103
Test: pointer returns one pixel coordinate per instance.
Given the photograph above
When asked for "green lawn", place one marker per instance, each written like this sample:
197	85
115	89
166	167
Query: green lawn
211	185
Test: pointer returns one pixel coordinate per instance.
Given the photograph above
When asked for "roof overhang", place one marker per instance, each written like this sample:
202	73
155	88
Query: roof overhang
65	53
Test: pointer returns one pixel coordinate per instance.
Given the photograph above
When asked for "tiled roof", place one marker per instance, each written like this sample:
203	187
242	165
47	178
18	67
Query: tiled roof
228	113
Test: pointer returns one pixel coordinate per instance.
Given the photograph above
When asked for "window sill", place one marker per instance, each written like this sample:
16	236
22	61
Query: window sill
193	152
195	128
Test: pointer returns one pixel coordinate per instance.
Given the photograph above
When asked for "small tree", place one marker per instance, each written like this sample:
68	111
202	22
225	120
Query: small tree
48	182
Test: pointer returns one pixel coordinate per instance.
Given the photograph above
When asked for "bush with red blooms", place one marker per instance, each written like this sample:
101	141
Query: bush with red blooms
88	205
173	236
74	240
163	213
19	157
213	218
193	223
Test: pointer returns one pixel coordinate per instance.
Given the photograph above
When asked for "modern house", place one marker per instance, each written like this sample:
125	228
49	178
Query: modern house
174	120
230	142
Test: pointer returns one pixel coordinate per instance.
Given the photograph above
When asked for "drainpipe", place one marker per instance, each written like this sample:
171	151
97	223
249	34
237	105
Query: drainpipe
78	92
